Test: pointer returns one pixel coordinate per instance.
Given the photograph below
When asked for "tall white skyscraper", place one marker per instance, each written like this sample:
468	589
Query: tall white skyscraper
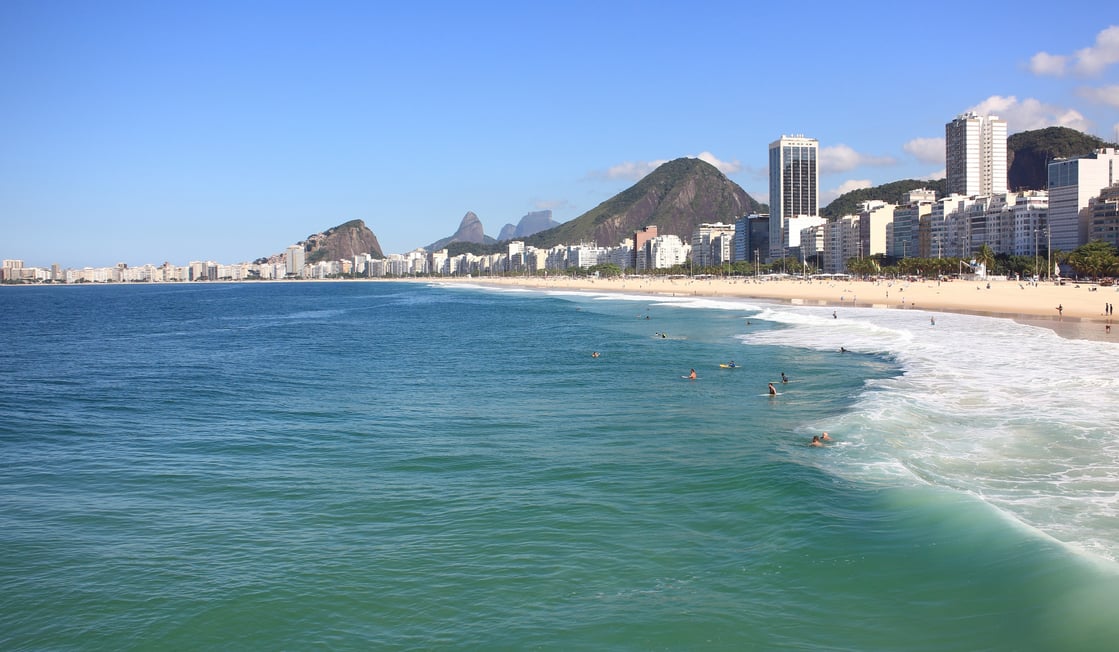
1073	183
975	155
794	183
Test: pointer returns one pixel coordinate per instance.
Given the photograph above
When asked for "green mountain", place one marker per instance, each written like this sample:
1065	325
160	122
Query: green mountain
848	202
1028	154
676	197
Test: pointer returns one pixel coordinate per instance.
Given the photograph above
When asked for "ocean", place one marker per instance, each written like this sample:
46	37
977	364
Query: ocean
410	466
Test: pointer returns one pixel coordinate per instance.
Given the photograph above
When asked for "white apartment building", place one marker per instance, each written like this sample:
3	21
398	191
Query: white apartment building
712	244
975	155
294	259
905	230
874	219
1073	183
794	183
668	251
793	228
1104	224
841	242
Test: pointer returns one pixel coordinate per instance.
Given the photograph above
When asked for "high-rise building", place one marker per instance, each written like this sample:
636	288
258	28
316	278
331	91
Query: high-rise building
975	155
794	183
1073	183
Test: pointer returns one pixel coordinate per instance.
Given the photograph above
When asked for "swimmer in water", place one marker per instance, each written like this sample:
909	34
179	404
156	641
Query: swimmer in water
784	378
691	375
816	441
772	390
824	437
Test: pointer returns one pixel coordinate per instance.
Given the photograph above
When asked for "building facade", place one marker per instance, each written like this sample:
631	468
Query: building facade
794	183
1073	183
975	155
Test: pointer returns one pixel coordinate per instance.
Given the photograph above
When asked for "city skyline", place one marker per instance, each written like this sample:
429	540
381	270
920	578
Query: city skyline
148	133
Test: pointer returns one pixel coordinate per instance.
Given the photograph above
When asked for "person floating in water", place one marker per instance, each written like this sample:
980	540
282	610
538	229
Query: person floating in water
816	441
824	437
594	354
691	374
784	378
772	390
932	321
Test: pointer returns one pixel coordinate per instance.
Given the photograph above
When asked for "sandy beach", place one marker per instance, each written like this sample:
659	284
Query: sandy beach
1082	314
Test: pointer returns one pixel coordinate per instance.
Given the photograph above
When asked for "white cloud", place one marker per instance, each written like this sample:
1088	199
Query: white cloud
926	150
1093	60
726	167
828	196
841	158
1088	61
1104	95
630	170
637	170
1030	114
933	176
1044	63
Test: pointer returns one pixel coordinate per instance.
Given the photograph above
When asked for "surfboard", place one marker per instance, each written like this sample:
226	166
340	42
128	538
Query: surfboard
690	378
727	366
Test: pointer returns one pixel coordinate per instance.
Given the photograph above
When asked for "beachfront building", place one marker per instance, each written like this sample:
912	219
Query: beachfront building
666	251
1030	223
640	249
793	227
945	236
841	242
874	218
905	228
293	260
751	238
793	187
975	155
813	245
1073	183
712	244
1104	224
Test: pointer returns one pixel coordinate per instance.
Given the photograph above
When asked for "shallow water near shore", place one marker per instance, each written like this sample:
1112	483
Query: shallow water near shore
400	466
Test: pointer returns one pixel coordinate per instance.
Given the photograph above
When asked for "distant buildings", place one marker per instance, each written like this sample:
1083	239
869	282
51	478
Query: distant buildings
794	182
975	155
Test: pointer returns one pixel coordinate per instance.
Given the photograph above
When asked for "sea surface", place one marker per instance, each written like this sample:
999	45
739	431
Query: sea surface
401	466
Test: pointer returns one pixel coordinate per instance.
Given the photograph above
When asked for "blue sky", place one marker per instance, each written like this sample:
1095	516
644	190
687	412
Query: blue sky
144	132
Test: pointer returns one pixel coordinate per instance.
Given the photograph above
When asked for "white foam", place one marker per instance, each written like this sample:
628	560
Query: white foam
1011	414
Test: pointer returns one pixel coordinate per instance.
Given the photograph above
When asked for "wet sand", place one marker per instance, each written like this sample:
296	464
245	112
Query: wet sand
1081	315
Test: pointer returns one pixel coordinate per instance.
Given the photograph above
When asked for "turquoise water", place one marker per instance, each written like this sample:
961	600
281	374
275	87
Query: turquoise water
401	466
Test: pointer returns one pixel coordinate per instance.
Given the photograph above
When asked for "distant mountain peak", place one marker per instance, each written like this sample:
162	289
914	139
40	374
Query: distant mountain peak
469	230
676	197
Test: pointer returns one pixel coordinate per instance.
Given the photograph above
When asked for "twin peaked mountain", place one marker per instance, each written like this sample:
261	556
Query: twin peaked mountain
676	198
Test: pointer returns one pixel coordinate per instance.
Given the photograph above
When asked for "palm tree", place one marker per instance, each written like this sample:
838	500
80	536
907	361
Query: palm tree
986	257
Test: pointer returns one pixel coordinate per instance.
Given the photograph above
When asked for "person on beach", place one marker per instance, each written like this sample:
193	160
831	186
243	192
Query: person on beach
816	441
1060	310
691	374
772	390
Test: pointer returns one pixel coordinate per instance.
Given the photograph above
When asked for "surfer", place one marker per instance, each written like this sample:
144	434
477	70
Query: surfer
784	378
731	364
816	441
842	350
772	390
691	374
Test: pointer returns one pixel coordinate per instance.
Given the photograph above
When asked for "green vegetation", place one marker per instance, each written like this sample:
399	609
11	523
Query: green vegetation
848	202
1028	154
1095	259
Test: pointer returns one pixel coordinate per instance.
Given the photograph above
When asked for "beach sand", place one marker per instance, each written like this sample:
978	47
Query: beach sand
1082	315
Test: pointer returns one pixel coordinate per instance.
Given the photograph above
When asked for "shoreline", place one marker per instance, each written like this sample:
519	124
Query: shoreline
1081	316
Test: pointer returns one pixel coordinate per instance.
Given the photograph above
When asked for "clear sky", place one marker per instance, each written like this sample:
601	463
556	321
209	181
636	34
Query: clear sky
146	131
